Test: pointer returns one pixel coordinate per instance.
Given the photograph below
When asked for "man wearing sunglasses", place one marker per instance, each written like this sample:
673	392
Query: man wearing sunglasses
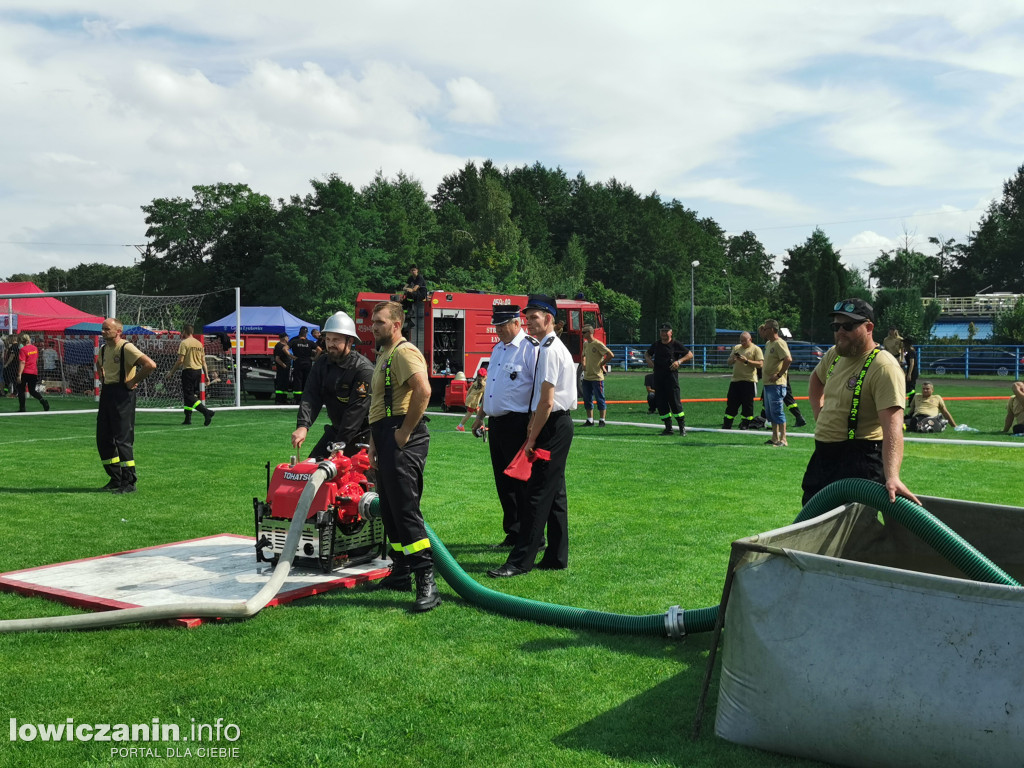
857	395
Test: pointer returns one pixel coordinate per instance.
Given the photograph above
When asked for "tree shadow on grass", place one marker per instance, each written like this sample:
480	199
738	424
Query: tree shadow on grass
653	727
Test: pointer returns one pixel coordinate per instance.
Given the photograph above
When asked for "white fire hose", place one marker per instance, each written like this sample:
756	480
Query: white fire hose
212	608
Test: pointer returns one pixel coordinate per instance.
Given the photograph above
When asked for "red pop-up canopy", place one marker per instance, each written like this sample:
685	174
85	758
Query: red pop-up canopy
45	314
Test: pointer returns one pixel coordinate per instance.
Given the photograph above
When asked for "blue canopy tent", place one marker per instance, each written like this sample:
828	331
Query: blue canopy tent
93	329
268	320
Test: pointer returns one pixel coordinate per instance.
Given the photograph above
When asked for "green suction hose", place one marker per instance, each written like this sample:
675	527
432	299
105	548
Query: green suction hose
916	519
677	622
674	622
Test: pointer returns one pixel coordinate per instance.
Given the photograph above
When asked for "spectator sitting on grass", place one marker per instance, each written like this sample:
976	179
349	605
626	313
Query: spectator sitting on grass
1015	410
928	412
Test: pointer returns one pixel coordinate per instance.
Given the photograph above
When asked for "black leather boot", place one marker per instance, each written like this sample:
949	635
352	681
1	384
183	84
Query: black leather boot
399	580
427	596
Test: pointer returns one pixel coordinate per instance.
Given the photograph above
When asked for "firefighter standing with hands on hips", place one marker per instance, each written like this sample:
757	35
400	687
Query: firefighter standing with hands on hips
339	380
400	391
122	366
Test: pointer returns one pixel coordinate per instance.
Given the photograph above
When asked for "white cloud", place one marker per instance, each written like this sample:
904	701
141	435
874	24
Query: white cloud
898	107
737	192
473	104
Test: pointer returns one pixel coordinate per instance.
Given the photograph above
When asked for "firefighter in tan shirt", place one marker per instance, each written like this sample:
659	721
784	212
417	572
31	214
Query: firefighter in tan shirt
856	393
746	360
595	357
925	407
192	362
777	360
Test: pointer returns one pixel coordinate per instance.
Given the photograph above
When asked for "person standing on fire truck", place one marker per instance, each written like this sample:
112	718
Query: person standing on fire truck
665	356
551	429
400	391
506	405
122	367
192	362
339	379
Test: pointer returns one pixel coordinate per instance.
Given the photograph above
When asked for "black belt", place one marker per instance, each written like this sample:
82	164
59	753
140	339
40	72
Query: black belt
395	418
558	413
509	415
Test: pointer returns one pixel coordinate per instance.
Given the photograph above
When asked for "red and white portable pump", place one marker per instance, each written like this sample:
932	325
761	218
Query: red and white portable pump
342	527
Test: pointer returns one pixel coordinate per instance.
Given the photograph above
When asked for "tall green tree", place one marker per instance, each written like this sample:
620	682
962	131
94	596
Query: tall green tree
993	254
900	308
402	230
317	259
903	268
812	281
1008	326
206	242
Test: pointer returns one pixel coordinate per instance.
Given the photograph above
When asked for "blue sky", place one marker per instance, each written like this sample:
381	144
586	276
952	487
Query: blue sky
877	122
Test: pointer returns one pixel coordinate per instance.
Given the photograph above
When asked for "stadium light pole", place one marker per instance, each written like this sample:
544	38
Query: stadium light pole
935	286
693	266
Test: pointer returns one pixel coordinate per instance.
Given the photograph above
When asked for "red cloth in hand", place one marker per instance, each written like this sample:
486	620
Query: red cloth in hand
522	465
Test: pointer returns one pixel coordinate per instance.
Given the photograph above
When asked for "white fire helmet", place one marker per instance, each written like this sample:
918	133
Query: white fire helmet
339	322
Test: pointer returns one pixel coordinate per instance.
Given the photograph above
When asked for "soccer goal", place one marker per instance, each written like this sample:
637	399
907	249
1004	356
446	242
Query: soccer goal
152	323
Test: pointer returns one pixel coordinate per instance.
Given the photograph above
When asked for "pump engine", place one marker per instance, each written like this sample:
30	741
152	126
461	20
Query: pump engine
340	530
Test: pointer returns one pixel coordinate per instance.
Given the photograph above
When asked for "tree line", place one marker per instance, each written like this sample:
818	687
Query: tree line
536	229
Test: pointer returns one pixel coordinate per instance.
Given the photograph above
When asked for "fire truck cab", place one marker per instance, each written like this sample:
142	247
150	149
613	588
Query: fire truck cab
454	331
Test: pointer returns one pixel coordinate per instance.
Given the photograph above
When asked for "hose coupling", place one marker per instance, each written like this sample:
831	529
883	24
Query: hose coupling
368	510
675	622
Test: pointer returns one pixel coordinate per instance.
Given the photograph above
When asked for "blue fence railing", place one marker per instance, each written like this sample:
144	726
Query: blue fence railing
932	359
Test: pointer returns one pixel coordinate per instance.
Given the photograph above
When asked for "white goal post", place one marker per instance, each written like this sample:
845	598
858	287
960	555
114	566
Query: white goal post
74	361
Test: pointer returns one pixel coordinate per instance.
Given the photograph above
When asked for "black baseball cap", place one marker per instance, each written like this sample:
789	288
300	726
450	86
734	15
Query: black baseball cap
665	327
855	309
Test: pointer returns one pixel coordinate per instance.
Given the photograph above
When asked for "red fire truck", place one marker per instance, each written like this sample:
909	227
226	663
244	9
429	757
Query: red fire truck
454	331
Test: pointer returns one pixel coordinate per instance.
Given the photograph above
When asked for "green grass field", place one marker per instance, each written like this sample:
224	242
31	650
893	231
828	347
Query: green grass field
351	678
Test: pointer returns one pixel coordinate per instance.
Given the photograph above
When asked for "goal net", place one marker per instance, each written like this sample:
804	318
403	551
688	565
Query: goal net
153	324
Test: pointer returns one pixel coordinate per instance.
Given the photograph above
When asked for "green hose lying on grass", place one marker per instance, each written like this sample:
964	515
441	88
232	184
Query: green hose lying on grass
678	623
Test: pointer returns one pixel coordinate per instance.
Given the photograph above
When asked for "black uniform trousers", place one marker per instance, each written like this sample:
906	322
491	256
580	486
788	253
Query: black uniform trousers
300	372
400	485
506	435
547	503
741	396
115	432
666	394
190	379
842	460
281	389
28	383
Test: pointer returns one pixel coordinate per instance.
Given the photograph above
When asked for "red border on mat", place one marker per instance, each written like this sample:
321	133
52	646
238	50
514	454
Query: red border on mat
91	602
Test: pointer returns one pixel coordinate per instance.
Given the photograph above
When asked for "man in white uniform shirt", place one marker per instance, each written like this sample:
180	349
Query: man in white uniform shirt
550	429
506	405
